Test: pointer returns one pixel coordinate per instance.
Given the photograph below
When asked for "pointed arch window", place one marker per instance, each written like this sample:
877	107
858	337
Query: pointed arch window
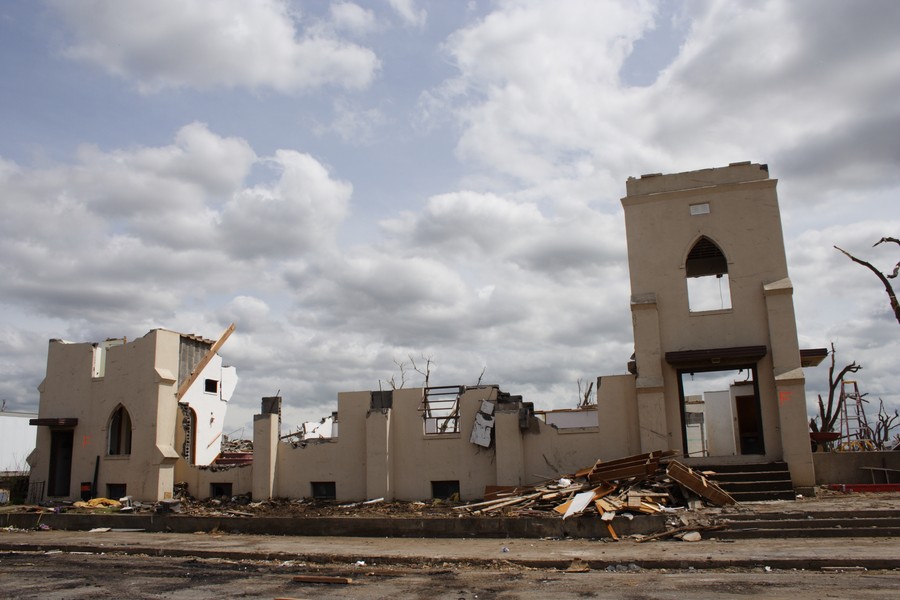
707	277
119	433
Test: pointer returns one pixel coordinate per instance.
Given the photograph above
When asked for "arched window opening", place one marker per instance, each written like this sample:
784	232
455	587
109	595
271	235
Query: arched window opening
119	432
707	277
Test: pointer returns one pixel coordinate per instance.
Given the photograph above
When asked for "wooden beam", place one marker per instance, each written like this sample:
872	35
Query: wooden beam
204	361
322	579
698	484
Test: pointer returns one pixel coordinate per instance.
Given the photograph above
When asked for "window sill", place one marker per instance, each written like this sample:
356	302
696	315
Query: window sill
118	456
571	430
441	436
717	311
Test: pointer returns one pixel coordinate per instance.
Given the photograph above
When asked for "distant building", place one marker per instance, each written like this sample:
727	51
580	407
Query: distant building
17	441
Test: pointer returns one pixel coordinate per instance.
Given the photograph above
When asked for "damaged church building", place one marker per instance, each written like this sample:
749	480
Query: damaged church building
716	375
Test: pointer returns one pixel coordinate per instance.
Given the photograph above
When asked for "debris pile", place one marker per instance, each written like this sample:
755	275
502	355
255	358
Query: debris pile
647	483
236	445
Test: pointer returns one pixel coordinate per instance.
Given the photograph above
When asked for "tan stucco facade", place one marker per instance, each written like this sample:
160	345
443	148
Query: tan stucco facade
109	417
711	304
670	220
386	452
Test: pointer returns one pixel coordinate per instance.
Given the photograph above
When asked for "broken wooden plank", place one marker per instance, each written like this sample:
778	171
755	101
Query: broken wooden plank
671	532
504	503
607	505
624	472
698	484
578	503
322	579
649	508
564	507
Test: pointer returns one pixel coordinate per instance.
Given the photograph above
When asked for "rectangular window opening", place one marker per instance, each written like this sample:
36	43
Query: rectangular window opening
445	490
441	409
323	490
710	292
114	491
212	386
220	490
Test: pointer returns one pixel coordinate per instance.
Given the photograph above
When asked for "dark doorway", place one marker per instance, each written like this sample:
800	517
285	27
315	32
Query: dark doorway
749	425
61	442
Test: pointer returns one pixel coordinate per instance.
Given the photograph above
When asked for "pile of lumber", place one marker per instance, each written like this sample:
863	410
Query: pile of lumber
646	483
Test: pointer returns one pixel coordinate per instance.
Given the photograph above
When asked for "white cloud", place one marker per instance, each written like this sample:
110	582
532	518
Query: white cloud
227	43
298	213
407	11
353	125
140	231
539	91
352	17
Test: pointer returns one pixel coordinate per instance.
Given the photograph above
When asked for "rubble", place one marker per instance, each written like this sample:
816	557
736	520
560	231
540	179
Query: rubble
642	483
236	445
654	483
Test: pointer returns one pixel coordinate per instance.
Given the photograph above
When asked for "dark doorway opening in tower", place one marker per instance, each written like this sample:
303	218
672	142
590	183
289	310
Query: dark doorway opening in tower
720	411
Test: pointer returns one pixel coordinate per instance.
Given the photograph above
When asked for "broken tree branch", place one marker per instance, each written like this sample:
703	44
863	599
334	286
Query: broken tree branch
892	296
426	371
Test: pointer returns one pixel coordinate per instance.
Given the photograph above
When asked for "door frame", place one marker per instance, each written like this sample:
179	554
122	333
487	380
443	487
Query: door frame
752	367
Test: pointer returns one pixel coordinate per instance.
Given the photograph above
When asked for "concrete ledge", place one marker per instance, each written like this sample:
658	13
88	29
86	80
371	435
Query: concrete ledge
488	527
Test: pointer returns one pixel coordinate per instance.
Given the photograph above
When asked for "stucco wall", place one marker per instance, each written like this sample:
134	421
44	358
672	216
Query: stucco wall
200	479
386	452
846	467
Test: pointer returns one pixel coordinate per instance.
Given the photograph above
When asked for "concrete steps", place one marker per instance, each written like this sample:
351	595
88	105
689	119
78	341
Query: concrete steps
866	523
754	482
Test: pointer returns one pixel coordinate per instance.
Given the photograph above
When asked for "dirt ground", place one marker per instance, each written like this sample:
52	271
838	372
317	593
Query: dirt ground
57	576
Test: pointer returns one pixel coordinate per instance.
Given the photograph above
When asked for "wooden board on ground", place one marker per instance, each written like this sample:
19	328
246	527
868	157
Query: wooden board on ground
698	484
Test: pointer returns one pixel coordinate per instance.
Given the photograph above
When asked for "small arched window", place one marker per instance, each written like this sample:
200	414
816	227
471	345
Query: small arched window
119	437
707	277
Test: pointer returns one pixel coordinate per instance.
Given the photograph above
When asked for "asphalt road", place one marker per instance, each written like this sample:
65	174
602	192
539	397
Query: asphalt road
56	575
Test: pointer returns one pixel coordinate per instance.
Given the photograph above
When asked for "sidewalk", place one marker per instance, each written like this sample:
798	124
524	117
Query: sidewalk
871	553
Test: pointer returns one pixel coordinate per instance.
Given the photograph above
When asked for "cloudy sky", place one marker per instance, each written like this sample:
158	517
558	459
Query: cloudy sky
353	183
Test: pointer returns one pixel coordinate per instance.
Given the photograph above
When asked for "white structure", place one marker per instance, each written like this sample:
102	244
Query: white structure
17	440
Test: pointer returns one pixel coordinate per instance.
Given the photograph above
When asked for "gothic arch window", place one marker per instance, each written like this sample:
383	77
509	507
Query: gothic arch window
119	432
706	270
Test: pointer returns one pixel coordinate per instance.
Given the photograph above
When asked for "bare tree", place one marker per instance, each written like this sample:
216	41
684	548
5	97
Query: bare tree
828	416
396	385
892	296
425	370
884	423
